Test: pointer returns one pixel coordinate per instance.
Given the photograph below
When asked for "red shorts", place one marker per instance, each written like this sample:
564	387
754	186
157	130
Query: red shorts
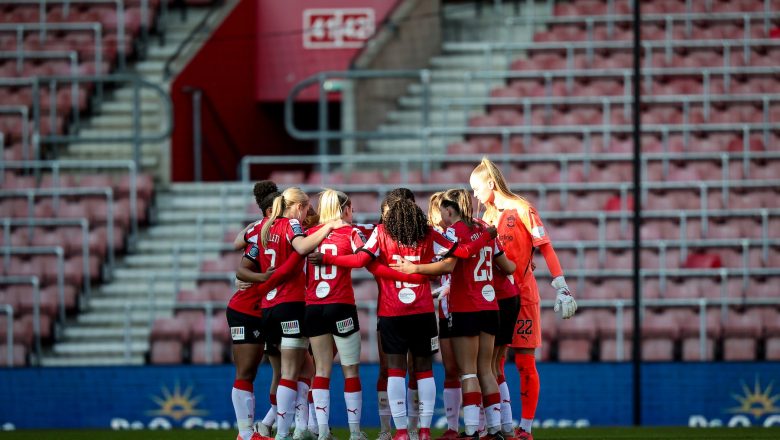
528	329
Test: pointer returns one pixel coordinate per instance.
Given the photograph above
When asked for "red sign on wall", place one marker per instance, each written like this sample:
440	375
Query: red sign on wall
337	28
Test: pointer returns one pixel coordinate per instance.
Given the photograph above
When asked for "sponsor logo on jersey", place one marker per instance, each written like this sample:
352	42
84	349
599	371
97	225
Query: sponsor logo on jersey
434	343
345	325
290	327
237	333
322	290
296	227
488	293
271	295
407	295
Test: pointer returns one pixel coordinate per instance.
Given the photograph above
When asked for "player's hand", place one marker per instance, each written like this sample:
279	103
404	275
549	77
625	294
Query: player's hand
492	231
564	301
404	266
315	258
242	285
267	274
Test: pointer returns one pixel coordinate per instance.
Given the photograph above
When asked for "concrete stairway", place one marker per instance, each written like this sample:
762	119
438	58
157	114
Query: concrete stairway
450	70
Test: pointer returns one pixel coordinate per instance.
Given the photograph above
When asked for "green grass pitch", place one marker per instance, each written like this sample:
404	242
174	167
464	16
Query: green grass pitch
540	434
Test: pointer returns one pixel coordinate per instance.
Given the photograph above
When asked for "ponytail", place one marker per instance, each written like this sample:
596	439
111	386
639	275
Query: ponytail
277	208
460	200
434	209
332	204
487	171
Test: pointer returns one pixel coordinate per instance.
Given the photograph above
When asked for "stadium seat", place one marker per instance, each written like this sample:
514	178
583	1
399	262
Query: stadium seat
166	352
201	355
741	333
166	329
575	336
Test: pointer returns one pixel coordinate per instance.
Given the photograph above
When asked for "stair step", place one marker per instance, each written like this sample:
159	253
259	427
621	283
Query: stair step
476	88
161	287
406	146
186	231
149	122
92	360
126	93
145	67
454	117
136	275
204	202
125	107
99	305
115	318
102	348
104	332
186	260
183	216
474	62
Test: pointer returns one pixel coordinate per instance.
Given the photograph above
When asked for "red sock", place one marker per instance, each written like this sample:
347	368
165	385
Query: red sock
529	383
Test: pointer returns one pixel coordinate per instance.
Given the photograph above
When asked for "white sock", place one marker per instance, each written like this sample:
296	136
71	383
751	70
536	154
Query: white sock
286	394
506	407
244	406
452	399
396	395
384	411
471	411
302	407
427	395
412	408
481	419
525	424
320	393
312	416
353	397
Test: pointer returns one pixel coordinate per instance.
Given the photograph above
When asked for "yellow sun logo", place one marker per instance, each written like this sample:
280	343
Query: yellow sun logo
757	402
177	404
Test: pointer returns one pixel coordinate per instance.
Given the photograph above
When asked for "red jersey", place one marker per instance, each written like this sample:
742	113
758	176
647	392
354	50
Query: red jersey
520	229
248	301
398	298
471	287
331	284
279	249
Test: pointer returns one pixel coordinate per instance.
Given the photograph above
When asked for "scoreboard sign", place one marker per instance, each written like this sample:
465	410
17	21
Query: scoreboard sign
337	28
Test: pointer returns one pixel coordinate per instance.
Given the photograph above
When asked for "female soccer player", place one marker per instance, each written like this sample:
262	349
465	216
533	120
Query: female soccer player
520	231
281	237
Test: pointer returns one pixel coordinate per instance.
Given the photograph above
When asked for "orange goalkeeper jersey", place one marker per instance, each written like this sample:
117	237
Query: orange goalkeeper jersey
520	229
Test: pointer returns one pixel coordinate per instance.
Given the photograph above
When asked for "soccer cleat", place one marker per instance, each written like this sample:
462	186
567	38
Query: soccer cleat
425	434
414	434
385	435
448	435
474	436
521	434
263	429
357	436
401	435
496	436
257	436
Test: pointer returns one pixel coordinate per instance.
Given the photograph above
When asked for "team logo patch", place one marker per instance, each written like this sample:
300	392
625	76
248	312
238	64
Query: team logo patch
322	290
406	295
253	251
538	232
290	327
450	234
237	333
510	221
296	227
488	293
256	333
434	343
271	295
345	325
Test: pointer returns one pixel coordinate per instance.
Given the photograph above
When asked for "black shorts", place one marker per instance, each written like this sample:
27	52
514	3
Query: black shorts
415	333
245	329
444	328
284	320
473	323
336	319
508	309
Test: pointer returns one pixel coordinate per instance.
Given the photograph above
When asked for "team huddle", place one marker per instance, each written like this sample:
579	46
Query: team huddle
295	303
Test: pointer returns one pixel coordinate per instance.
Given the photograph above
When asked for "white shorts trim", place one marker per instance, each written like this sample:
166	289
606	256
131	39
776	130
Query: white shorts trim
349	348
297	343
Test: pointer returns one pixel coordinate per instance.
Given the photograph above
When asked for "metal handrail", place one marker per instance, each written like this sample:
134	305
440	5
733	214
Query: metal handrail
8	310
24	114
56	193
120	18
82	222
57	165
20	28
36	285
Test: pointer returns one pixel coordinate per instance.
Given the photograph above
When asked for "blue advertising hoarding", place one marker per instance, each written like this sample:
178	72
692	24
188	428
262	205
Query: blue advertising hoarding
588	394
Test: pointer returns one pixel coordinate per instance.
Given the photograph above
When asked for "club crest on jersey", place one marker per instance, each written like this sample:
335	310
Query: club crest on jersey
256	333
290	327
271	295
345	325
322	290
407	295
253	252
434	343
237	333
510	221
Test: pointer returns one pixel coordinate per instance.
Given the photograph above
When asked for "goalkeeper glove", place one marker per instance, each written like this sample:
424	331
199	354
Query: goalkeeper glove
564	301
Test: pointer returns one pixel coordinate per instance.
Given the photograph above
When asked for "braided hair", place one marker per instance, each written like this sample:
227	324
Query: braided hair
405	222
392	196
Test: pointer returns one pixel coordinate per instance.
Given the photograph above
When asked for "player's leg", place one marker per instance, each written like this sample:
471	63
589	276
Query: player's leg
293	347
452	392
247	354
491	397
383	404
466	349
412	400
425	345
301	399
526	339
395	345
349	350
499	358
322	347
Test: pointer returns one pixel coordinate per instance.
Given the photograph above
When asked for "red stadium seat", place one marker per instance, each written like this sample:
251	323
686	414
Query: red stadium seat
166	352
166	329
741	333
201	354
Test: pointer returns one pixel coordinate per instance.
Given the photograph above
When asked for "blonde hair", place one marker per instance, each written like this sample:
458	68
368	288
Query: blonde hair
434	209
287	199
460	200
487	171
332	204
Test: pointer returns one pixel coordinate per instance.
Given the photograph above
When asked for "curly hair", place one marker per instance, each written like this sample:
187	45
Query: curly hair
265	192
392	196
405	222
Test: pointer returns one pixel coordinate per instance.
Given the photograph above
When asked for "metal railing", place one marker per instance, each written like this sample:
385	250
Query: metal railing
24	116
136	137
56	193
83	223
56	167
36	286
8	311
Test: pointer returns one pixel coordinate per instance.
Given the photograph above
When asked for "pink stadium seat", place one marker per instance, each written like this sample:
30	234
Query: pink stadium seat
741	333
575	337
166	329
287	177
219	328
201	355
166	352
19	354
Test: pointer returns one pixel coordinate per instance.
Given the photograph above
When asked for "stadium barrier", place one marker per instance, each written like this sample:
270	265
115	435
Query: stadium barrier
36	286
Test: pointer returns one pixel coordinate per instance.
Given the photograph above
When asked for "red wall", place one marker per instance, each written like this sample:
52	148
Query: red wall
246	69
